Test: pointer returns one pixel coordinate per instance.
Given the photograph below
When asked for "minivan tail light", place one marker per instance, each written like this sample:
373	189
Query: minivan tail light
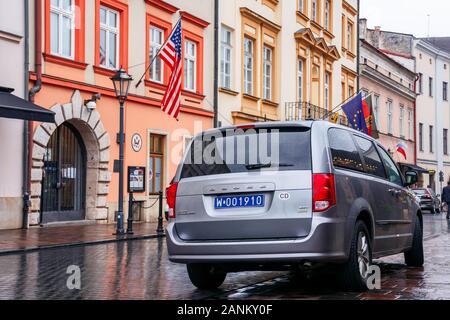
324	192
171	196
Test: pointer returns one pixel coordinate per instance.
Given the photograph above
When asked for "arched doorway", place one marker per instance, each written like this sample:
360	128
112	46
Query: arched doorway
64	176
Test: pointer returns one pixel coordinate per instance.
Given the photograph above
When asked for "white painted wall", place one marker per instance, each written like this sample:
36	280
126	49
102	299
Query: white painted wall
11	147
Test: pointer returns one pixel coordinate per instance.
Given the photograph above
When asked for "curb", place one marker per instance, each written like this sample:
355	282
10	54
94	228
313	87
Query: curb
80	243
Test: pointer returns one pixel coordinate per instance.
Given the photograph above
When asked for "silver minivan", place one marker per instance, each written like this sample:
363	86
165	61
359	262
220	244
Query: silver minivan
286	195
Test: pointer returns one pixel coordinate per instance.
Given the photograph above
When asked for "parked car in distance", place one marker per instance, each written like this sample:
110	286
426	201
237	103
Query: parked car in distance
428	200
333	196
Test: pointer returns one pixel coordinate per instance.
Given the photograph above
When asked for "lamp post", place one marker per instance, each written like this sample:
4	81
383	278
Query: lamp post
121	81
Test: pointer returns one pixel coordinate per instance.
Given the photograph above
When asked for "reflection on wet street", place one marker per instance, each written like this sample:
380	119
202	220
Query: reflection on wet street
140	270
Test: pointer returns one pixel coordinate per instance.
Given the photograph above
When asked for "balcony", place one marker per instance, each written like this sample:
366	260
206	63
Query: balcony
296	111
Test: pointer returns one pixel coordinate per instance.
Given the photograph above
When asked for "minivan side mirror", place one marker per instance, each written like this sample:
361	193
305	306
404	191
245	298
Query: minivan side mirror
411	178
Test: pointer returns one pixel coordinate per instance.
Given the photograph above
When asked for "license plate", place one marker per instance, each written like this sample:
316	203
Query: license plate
227	202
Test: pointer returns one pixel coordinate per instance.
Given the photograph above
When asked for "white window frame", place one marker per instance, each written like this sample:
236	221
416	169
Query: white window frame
410	124
226	47
300	74
67	14
248	68
327	91
327	16
401	118
377	110
109	29
314	10
389	115
154	47
267	77
189	58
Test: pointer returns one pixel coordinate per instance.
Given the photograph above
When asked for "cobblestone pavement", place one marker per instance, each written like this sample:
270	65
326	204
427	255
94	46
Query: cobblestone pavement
139	269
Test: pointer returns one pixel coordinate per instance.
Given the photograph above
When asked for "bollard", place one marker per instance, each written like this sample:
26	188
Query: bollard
130	214
160	229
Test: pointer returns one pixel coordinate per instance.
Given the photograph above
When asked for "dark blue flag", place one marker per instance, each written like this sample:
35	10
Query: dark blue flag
354	111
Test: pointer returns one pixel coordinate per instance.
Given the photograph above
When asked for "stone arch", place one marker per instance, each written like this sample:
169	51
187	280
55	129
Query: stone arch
97	143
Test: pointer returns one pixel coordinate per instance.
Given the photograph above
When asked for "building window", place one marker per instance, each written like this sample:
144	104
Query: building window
62	28
109	38
156	41
344	45
430	86
314	10
327	18
377	110
402	117
420	83
300	5
431	139
268	53
248	66
156	164
421	137
445	91
350	36
327	91
190	63
445	141
300	80
225	58
410	124
389	114
350	91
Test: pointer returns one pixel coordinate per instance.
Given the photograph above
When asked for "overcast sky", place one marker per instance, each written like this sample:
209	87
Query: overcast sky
408	16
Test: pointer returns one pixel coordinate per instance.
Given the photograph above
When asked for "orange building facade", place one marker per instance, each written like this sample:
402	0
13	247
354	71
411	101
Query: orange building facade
77	46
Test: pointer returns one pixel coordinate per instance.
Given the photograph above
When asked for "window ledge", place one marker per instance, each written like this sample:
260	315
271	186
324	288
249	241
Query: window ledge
250	97
316	25
194	95
228	91
64	61
270	103
154	84
328	33
351	54
303	16
104	71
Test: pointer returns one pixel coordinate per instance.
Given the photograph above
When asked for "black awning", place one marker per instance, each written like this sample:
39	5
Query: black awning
414	167
17	108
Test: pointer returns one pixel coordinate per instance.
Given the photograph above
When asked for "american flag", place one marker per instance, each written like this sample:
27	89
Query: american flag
170	53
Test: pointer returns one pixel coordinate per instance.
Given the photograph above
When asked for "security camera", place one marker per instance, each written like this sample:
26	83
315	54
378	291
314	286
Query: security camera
92	103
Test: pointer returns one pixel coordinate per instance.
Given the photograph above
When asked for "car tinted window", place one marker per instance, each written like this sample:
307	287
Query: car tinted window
245	151
392	171
343	150
372	160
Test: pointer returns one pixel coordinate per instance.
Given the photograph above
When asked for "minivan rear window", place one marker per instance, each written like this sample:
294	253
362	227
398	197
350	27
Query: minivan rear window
250	150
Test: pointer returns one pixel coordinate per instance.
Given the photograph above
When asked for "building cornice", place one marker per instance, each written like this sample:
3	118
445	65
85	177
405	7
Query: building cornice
246	12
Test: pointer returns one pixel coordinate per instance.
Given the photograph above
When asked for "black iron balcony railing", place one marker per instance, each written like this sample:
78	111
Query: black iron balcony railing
296	111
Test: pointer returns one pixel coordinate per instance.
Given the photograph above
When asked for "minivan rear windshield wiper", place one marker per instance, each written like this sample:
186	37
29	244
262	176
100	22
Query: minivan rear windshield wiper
267	165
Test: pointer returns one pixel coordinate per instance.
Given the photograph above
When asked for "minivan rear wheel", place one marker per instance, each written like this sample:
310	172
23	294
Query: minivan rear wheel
205	276
356	270
414	257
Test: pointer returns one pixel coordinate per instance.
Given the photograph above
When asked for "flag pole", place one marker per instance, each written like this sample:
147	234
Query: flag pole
156	55
339	106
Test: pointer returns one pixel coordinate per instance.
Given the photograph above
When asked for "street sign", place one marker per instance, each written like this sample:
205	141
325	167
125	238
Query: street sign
136	179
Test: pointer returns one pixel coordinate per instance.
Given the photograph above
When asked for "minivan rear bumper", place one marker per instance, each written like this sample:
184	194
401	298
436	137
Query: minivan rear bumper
325	243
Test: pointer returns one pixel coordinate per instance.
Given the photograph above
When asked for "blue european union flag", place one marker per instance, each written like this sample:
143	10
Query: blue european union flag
355	115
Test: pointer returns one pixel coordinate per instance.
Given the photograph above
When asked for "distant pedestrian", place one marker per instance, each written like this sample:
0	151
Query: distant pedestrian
446	198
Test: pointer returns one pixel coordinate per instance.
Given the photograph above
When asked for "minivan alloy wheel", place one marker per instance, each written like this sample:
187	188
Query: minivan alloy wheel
363	255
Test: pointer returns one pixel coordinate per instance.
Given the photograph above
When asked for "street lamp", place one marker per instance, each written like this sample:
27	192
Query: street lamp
121	81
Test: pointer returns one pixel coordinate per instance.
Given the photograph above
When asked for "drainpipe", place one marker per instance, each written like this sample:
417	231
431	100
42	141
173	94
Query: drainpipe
28	131
358	45
415	118
216	63
26	125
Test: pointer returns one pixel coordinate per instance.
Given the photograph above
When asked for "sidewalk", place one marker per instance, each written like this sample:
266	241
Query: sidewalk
14	241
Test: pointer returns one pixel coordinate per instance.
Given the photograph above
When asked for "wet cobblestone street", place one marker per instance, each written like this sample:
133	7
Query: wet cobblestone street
140	269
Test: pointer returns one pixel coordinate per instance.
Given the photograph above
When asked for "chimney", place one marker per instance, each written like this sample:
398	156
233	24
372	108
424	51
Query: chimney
377	37
362	28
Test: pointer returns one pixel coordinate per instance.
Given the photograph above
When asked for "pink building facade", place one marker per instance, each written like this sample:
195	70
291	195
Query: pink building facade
393	97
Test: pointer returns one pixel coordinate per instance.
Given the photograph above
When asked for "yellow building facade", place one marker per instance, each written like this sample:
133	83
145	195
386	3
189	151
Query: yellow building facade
285	59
